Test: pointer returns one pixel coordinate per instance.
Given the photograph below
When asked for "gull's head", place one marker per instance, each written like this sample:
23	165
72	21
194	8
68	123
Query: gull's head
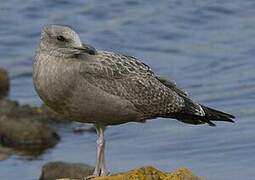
63	39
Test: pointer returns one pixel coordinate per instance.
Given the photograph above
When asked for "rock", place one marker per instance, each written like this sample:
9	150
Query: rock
43	113
23	128
27	134
57	170
5	153
182	174
4	83
28	129
149	173
47	114
8	107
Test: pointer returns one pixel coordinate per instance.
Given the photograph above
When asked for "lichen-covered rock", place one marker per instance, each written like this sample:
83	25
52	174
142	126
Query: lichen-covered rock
4	83
182	174
150	173
22	133
58	170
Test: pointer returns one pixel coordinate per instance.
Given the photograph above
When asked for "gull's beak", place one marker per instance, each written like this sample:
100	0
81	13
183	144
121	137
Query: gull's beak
87	49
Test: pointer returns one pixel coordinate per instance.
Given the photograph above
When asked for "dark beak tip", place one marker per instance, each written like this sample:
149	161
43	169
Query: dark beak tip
89	49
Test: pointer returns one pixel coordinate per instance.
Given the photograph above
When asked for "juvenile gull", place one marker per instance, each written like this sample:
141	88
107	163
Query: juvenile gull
105	88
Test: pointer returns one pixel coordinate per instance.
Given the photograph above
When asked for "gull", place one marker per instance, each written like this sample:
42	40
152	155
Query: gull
89	85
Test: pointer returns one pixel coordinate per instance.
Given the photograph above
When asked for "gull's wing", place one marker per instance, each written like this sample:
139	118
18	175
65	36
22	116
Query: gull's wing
172	85
132	80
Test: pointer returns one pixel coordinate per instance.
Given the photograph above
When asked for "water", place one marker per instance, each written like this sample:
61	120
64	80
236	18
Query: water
208	47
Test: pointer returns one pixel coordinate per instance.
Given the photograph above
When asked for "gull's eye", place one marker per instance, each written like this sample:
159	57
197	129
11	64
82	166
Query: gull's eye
61	38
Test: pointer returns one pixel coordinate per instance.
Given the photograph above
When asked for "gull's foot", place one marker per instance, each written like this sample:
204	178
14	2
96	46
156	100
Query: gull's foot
90	177
97	174
103	172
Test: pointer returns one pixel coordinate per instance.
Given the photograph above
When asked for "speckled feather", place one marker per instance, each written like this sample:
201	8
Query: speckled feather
130	79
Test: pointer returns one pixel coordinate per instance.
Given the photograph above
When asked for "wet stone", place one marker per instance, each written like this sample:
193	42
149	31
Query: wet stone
60	170
29	129
25	133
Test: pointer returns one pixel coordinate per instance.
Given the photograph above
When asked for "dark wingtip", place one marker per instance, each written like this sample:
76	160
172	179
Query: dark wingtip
216	115
232	121
227	120
228	115
211	124
231	116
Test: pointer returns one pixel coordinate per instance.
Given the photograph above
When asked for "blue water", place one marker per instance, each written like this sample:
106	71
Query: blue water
208	47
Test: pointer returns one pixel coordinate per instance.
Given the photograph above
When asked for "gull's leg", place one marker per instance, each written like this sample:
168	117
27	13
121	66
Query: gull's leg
100	169
104	171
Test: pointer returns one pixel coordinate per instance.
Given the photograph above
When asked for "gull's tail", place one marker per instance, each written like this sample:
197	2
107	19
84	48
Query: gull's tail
194	113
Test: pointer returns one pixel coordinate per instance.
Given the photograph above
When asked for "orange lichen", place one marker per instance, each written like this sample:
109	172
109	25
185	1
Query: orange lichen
150	173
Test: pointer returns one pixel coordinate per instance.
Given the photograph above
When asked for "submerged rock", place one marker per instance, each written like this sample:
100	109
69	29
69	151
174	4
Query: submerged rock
25	133
57	170
28	129
4	83
149	173
24	130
